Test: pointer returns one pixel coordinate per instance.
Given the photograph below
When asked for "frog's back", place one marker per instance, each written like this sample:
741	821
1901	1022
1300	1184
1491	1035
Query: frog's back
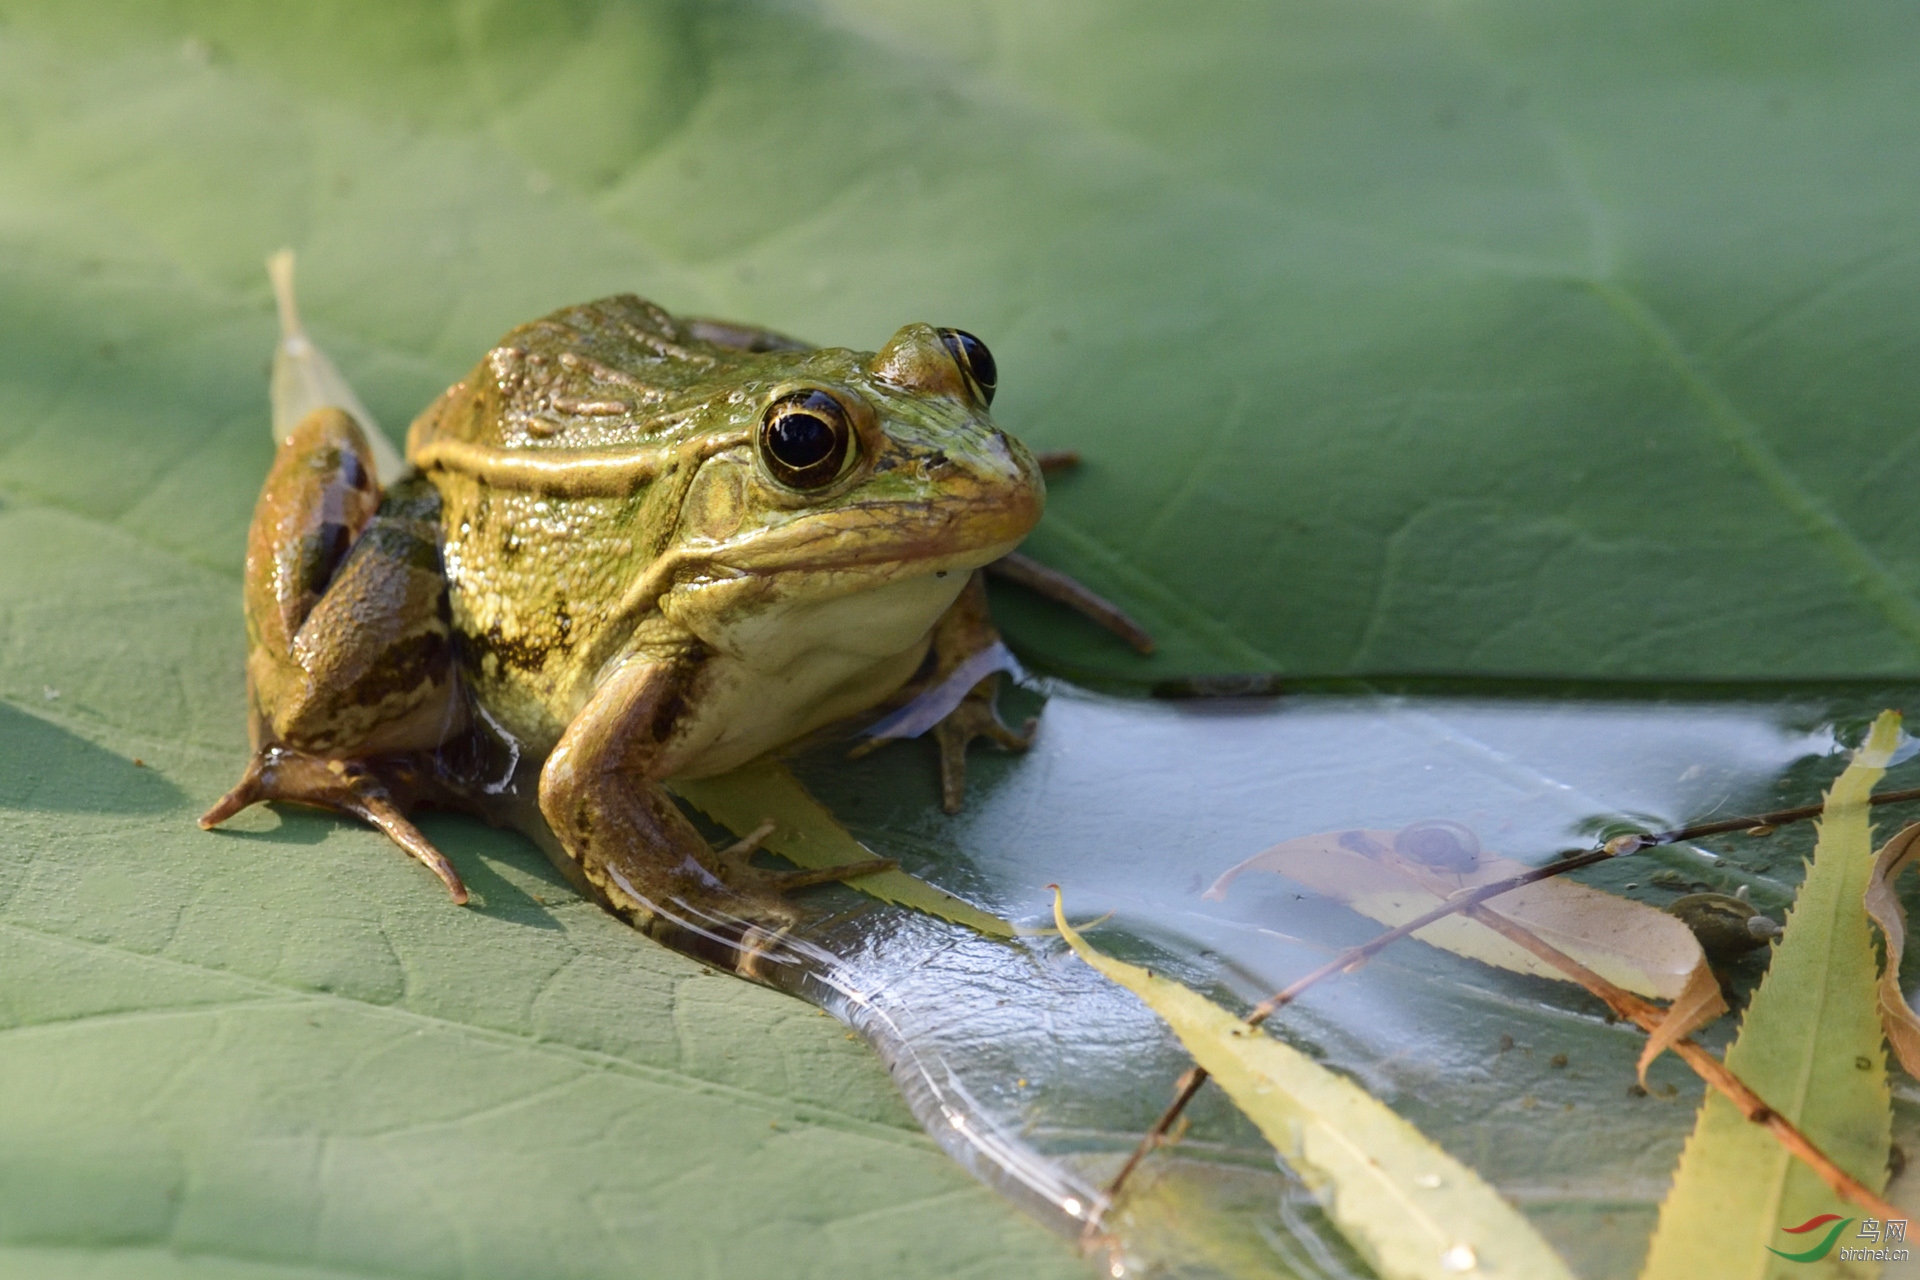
550	457
591	377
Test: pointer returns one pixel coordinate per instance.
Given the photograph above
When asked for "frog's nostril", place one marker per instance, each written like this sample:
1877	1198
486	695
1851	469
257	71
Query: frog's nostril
937	459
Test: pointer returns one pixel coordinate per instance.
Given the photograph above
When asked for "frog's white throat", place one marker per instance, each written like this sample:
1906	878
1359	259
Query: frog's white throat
784	665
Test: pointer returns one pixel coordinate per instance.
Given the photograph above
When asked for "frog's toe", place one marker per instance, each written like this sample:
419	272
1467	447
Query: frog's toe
738	868
975	717
746	846
245	794
281	773
1076	595
807	877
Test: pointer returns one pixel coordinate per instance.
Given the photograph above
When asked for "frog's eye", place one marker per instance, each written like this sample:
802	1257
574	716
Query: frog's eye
974	360
805	438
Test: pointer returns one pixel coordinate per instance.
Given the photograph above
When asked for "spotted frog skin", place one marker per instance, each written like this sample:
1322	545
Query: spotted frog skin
632	548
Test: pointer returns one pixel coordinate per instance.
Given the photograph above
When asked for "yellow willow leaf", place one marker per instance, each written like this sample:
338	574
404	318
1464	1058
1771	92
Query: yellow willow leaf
1380	874
1407	1206
806	834
1810	1046
1897	1017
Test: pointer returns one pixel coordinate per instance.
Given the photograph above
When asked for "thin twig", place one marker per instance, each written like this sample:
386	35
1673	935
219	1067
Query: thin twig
1648	1017
1569	860
1074	594
1778	818
1347	959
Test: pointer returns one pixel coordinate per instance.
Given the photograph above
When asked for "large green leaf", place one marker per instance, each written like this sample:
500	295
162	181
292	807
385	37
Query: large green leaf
281	1052
1397	338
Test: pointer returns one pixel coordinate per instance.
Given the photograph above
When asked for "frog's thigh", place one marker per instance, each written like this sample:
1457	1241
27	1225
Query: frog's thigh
615	820
349	655
318	496
371	670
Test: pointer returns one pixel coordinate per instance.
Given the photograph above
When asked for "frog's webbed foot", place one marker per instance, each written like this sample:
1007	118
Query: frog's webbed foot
975	717
964	677
633	847
282	773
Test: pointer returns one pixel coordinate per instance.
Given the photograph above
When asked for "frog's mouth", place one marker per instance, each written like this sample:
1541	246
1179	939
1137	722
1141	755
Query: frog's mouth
893	539
865	546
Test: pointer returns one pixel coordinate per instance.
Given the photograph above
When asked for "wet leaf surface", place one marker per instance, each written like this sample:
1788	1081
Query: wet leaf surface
1524	1078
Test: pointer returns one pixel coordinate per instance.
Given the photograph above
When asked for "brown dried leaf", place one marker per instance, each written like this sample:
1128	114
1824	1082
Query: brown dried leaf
1897	1017
1394	876
1696	1006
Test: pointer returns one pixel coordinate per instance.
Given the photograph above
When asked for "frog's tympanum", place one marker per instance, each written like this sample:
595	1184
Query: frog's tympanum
632	548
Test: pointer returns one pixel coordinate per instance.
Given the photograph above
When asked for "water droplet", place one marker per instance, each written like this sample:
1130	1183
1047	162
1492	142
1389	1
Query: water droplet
1459	1258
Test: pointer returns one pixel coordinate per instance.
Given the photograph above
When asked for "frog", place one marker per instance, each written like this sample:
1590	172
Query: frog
631	548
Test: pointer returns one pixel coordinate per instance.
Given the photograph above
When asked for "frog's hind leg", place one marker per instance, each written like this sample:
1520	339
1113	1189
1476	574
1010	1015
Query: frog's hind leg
349	668
282	773
1076	595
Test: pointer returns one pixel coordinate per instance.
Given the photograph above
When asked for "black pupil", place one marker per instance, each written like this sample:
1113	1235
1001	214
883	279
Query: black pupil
800	440
972	355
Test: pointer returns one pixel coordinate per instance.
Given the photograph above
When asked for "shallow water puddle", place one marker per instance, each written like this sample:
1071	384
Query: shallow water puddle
1040	1076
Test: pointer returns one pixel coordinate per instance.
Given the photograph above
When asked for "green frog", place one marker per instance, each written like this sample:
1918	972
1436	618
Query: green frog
629	548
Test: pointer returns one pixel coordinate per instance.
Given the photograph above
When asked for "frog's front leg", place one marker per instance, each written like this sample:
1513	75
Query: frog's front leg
964	630
965	635
601	795
953	696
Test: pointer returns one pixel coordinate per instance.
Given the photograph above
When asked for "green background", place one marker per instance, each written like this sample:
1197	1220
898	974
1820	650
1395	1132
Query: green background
1491	338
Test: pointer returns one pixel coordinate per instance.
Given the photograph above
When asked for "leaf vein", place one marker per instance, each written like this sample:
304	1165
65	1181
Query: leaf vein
1874	580
812	1113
